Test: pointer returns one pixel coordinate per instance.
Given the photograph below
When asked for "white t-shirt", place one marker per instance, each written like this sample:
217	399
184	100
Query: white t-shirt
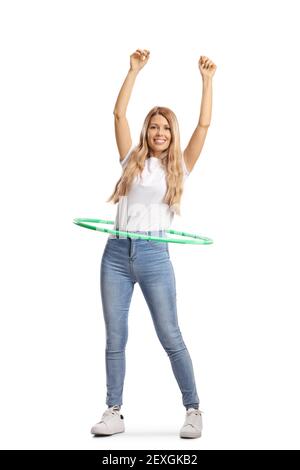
142	208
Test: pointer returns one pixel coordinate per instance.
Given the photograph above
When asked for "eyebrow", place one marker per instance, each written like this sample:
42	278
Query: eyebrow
155	124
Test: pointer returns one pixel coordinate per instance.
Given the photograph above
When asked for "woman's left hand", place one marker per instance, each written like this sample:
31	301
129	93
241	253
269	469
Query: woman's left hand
206	66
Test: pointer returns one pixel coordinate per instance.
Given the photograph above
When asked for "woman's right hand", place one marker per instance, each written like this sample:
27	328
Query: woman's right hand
138	59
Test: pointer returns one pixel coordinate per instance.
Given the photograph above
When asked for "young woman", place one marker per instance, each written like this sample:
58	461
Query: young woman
148	193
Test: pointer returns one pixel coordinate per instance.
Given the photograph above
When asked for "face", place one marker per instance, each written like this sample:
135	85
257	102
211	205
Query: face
158	134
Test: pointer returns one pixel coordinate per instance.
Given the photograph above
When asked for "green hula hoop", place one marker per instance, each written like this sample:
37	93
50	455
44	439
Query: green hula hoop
196	239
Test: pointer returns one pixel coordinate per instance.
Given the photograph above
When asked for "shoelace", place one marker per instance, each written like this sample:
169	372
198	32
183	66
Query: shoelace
107	413
189	416
193	410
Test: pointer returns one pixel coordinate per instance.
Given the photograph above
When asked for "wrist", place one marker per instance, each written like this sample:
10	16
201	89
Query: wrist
206	80
133	71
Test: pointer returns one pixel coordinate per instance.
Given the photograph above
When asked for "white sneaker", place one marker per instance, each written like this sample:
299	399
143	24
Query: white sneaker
193	424
111	422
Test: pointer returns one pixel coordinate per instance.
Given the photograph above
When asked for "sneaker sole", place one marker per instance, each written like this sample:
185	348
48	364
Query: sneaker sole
106	433
189	435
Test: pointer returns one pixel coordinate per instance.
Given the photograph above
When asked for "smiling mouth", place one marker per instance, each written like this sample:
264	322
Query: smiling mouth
159	141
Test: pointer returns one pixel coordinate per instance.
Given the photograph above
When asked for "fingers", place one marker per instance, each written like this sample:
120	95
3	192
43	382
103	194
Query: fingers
143	53
206	63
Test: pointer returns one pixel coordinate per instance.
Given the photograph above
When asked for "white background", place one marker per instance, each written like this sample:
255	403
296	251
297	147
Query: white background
63	63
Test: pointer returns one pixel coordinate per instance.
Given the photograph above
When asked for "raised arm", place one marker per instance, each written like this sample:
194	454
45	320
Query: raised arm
122	132
194	147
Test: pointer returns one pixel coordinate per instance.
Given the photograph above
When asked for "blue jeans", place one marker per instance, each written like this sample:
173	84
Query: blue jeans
126	261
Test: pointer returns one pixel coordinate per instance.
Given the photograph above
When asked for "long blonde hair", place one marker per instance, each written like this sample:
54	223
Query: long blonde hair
171	159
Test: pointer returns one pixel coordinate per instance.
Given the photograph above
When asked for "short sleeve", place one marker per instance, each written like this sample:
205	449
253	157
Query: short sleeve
185	170
126	158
